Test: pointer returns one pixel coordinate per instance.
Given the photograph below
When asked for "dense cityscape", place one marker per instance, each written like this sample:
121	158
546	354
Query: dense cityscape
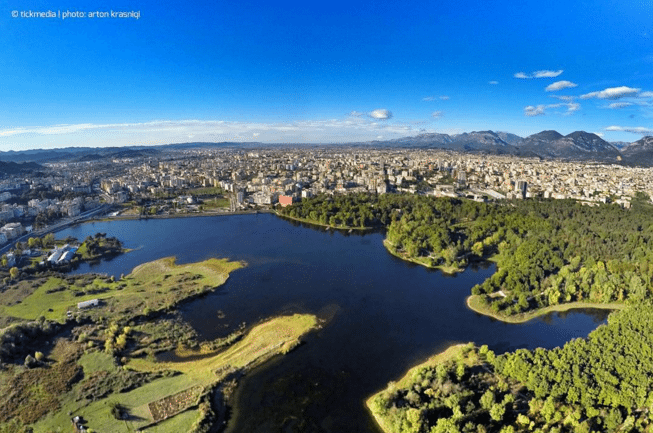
260	178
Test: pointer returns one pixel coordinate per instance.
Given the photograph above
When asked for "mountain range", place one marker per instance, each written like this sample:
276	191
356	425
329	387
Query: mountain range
577	146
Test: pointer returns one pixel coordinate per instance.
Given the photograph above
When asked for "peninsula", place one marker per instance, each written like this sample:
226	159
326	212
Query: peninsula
85	347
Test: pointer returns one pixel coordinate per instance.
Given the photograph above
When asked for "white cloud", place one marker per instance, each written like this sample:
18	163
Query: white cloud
539	74
563	97
381	114
617	105
612	93
343	130
532	111
547	74
540	110
433	98
559	85
600	134
53	130
572	107
635	130
646	95
437	114
494	83
355	113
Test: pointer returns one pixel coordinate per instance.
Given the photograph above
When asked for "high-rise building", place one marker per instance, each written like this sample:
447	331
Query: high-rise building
520	187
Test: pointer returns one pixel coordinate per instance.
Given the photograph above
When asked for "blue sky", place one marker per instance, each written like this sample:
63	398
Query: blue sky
275	71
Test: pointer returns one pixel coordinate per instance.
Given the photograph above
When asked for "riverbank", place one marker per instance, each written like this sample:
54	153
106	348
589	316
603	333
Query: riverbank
474	304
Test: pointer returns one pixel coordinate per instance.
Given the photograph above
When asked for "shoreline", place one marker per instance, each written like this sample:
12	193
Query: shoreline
180	215
315	223
230	369
449	270
472	304
450	352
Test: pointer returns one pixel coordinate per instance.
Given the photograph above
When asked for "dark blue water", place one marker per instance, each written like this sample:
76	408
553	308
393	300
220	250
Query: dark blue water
385	315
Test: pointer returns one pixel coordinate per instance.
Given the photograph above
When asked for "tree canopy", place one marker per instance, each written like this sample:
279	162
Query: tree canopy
547	252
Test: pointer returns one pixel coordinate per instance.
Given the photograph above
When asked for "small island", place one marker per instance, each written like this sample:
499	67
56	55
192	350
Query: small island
43	254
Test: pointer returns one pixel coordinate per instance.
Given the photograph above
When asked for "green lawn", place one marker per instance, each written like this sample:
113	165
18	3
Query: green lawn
150	287
206	191
215	203
175	386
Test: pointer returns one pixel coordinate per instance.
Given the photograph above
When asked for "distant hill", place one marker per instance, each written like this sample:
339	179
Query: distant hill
579	146
619	144
509	138
43	155
80	154
16	168
639	152
481	141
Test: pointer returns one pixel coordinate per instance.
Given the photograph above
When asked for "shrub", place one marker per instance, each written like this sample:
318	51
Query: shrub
30	362
117	410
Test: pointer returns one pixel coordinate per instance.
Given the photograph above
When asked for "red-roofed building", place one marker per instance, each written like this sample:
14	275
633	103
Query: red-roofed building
285	200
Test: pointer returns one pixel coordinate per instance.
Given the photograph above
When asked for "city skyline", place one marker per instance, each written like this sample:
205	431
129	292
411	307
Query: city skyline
296	73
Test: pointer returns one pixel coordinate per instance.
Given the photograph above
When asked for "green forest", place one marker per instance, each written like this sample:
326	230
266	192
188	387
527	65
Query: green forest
603	383
548	252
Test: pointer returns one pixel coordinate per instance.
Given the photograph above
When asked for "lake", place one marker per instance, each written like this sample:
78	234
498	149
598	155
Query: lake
383	315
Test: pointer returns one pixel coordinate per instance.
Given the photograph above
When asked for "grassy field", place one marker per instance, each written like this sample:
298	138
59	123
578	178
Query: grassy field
276	336
215	203
474	304
153	286
206	191
64	379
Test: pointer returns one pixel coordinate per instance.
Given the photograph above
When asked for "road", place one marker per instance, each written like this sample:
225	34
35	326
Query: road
56	227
